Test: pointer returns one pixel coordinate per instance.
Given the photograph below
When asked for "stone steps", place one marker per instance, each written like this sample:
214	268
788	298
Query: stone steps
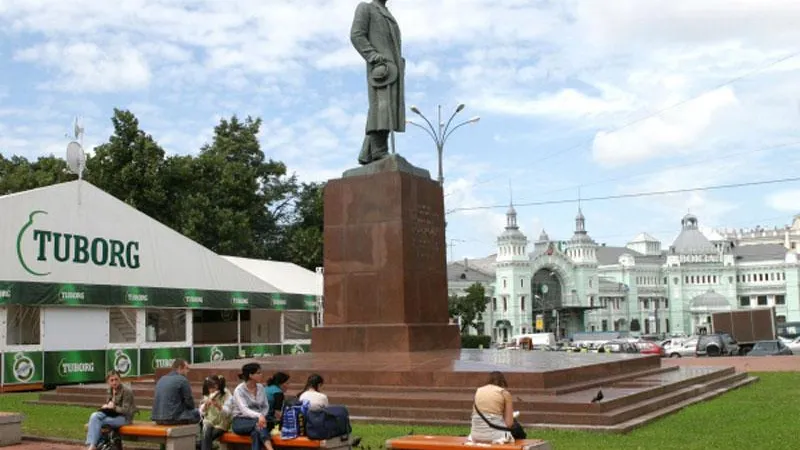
628	398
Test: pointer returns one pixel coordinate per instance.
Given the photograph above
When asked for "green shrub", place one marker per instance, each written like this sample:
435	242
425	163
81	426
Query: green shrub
470	341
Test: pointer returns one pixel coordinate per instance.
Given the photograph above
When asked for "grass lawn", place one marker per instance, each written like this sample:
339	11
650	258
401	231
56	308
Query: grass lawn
761	416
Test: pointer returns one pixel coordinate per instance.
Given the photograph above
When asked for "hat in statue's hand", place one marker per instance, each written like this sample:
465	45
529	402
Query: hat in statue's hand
383	74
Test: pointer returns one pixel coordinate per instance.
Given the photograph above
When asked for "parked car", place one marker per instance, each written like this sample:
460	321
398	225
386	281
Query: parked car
681	349
721	344
650	348
769	348
617	347
794	345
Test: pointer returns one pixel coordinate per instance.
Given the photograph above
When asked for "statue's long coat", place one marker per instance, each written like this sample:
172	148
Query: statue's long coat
375	30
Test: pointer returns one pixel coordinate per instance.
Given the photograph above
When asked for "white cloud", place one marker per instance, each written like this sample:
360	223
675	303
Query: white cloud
425	68
785	201
88	67
671	132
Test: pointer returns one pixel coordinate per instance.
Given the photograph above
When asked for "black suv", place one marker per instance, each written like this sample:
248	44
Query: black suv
716	345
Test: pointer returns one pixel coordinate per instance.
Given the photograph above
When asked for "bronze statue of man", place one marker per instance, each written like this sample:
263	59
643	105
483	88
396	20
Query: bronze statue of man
376	36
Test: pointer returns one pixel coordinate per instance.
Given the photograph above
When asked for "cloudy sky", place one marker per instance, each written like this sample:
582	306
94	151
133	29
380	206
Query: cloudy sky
577	98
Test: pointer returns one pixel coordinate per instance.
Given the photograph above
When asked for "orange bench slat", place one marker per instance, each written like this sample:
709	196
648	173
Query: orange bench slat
419	442
302	441
145	430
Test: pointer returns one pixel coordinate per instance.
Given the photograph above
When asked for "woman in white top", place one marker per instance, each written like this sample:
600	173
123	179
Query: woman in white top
249	408
311	393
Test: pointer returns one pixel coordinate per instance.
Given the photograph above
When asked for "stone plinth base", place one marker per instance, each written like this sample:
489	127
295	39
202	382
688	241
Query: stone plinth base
385	263
385	338
10	429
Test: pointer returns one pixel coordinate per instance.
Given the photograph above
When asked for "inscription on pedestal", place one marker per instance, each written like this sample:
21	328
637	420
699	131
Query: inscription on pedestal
426	237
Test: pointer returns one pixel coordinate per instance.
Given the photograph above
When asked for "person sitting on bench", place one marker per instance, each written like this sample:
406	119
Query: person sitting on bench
173	403
215	419
276	394
118	411
250	408
311	393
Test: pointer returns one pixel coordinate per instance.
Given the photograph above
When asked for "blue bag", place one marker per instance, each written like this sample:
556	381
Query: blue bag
293	420
329	422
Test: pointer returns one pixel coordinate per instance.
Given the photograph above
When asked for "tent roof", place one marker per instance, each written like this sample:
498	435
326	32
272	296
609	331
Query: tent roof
167	259
287	277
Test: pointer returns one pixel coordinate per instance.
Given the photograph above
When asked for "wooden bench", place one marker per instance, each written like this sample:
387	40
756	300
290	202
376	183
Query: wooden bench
419	442
172	437
230	441
10	428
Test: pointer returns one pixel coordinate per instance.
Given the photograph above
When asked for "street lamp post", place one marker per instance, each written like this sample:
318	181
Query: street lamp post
440	133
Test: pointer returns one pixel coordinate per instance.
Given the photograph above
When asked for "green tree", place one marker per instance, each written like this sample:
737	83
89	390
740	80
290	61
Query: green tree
238	199
468	307
303	234
18	174
129	167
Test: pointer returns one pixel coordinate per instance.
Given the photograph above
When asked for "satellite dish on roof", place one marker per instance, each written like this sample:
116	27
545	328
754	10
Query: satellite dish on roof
76	158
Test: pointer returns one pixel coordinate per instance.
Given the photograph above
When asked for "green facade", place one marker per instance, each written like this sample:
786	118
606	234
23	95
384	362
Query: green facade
41	294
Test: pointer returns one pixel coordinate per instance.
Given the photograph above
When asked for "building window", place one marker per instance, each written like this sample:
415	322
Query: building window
645	304
666	305
505	304
665	280
522	282
605	325
505	283
23	325
522	303
730	280
780	299
675	280
494	303
666	323
744	301
165	325
122	325
762	300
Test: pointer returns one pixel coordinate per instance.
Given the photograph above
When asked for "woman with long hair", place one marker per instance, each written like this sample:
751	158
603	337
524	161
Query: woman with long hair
493	407
276	393
250	407
118	410
215	420
312	393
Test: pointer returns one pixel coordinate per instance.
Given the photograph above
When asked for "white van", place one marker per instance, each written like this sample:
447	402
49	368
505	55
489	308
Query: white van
534	339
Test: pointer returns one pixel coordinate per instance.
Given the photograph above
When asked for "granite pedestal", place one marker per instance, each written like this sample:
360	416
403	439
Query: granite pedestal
10	428
385	263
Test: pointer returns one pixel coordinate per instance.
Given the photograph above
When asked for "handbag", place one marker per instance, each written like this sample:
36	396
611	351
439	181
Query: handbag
516	430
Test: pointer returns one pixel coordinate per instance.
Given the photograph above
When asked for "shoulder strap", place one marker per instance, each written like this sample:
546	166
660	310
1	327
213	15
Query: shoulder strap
496	427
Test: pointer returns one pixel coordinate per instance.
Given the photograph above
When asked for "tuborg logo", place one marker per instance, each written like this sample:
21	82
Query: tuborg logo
23	368
36	245
66	368
122	363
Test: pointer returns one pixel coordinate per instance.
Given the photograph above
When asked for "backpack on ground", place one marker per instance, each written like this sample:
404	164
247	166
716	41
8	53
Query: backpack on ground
110	439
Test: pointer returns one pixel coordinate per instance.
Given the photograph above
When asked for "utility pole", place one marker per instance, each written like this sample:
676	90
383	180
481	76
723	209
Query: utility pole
451	245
